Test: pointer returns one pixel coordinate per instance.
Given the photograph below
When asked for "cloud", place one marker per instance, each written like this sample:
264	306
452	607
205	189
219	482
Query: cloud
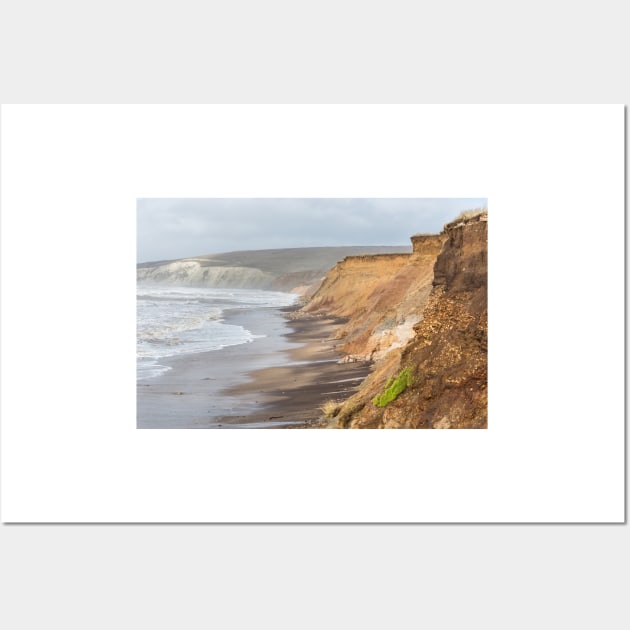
178	228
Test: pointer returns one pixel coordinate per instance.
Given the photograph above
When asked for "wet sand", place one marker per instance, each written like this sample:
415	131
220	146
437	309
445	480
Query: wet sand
277	381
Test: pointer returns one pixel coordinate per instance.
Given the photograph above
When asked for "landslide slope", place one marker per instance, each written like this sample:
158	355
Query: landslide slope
447	356
381	297
292	269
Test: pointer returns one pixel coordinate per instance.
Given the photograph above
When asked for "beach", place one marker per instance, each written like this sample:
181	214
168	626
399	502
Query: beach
278	380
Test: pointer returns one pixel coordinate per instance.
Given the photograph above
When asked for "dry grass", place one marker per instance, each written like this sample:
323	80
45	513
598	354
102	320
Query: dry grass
467	215
330	408
348	411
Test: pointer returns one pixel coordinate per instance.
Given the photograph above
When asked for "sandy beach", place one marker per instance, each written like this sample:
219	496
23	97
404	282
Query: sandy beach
277	381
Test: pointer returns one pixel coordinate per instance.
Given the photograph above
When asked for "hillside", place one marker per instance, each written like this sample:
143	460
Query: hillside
422	319
294	269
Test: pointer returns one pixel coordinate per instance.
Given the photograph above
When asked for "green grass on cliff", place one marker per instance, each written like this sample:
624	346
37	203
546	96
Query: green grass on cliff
394	387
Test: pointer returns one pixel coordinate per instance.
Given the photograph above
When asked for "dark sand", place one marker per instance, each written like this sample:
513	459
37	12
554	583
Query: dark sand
277	381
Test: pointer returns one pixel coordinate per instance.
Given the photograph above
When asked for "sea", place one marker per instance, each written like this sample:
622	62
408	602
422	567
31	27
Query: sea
174	321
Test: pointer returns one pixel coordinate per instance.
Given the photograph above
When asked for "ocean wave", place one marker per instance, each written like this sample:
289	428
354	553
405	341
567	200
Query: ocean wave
187	320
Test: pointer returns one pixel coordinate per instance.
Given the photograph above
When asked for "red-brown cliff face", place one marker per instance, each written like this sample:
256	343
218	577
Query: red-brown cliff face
447	355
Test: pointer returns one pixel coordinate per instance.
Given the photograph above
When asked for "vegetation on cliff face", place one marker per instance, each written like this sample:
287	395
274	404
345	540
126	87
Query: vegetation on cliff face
394	387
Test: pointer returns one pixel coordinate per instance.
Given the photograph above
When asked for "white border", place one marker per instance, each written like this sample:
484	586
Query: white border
554	179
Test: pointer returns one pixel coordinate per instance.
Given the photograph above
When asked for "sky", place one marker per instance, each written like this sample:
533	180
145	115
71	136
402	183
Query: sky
179	228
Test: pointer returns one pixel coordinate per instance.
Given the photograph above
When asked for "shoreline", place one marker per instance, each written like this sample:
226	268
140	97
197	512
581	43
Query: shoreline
277	381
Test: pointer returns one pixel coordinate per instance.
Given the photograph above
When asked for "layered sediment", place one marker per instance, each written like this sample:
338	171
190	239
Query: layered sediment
381	297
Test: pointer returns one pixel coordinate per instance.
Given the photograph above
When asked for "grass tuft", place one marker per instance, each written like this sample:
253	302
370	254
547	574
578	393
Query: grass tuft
330	408
467	215
347	411
393	388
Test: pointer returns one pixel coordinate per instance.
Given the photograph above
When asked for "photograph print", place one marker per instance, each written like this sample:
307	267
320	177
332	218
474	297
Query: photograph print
312	313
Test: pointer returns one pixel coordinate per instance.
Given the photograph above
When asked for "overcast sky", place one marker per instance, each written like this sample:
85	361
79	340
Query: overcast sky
180	228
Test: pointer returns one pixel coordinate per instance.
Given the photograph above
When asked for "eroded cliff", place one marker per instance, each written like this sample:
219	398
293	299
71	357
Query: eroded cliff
381	297
436	378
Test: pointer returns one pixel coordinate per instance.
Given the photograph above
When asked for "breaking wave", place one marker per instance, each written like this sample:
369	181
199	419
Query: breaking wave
185	320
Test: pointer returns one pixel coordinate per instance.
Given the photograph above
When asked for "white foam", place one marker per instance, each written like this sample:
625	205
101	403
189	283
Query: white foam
187	320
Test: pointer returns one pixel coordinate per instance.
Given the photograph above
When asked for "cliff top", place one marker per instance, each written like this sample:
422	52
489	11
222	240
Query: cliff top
381	256
468	216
